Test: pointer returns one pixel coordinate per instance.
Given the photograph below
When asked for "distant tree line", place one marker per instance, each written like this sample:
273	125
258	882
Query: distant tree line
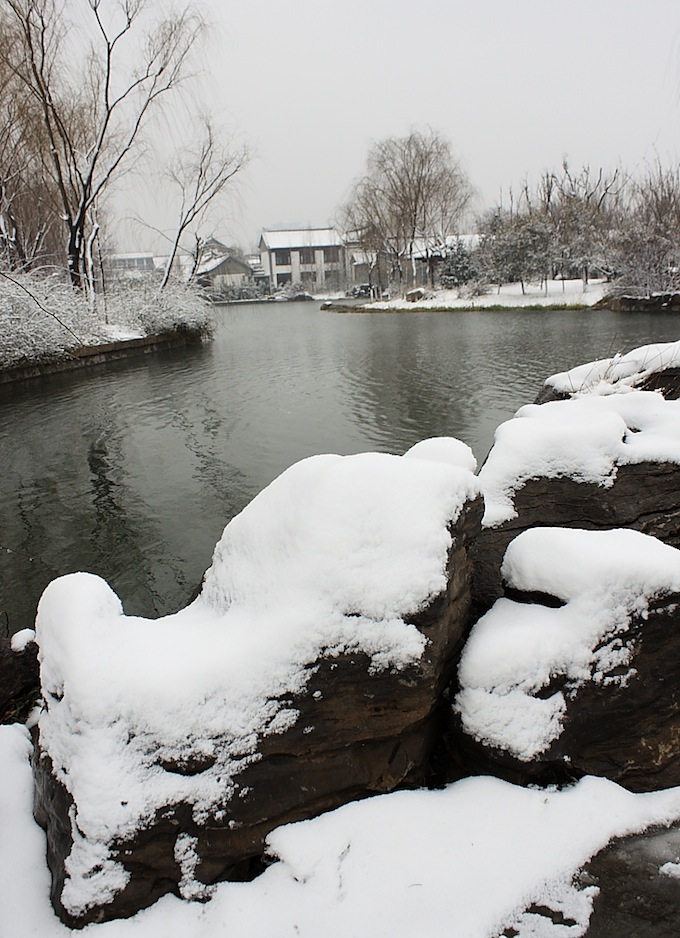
586	224
413	201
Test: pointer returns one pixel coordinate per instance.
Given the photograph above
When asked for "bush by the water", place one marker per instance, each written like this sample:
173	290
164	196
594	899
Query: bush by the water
44	318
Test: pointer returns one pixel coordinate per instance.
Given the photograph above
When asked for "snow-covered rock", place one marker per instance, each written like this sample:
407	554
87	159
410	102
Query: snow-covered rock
580	672
305	675
648	367
599	453
19	685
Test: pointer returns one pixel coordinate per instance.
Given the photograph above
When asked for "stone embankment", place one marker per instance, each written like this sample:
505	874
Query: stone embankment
89	355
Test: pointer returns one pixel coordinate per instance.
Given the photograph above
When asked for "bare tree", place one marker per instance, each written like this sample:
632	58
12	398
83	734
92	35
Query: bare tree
28	212
92	110
200	175
583	212
647	239
413	194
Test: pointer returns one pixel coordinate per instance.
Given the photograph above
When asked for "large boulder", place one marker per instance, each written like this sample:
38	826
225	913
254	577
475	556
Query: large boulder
579	672
308	673
600	452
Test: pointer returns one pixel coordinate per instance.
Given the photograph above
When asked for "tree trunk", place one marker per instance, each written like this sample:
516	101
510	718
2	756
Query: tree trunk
74	258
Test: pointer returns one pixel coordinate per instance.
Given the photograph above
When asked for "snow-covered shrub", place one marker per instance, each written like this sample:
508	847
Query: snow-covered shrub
139	305
44	317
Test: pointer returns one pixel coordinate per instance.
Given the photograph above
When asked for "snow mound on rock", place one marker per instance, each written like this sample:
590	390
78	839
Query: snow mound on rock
515	650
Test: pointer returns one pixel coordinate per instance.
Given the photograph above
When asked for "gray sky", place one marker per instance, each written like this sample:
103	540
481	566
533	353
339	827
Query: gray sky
514	85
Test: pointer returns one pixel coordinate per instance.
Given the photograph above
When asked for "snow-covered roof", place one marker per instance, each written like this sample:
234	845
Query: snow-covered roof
301	238
363	257
210	262
424	247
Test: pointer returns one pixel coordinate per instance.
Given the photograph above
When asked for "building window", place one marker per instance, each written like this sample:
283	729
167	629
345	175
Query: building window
331	255
282	258
306	255
282	279
307	276
333	279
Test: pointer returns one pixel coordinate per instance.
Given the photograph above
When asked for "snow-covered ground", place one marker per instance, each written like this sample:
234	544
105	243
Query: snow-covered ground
459	863
559	293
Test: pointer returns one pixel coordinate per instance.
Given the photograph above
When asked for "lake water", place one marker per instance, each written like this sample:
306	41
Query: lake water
133	469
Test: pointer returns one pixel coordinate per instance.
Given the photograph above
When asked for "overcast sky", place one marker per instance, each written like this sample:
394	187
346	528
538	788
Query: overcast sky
514	85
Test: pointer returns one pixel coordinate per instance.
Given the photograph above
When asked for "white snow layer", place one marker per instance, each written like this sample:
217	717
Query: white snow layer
605	423
619	373
330	558
459	863
584	438
605	578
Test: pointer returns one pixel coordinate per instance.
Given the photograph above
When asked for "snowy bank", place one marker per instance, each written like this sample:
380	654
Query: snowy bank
44	323
149	723
566	293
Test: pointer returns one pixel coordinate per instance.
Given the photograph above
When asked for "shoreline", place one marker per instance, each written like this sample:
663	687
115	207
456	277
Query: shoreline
86	356
491	308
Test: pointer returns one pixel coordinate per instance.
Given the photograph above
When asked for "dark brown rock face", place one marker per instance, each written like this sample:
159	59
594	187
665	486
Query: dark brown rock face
637	878
628	732
645	497
645	494
639	886
358	733
19	681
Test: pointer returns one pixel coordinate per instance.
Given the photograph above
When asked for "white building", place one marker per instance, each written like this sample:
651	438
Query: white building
314	257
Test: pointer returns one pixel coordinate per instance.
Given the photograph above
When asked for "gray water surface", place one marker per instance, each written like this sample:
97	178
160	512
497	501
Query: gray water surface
133	469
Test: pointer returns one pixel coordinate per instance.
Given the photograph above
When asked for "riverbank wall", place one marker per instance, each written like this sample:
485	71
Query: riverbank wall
88	355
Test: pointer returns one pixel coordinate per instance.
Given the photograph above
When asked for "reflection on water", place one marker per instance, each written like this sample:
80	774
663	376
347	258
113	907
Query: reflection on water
132	470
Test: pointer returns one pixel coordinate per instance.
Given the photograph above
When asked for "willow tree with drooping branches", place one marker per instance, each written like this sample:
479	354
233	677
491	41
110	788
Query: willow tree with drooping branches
412	196
90	98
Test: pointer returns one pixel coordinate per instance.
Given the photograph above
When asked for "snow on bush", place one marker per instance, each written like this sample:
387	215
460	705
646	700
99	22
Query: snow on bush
605	578
332	557
139	306
44	317
584	438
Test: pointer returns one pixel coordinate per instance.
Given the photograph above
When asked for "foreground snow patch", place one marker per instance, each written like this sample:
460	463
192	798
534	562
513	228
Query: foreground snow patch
463	862
605	578
332	557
